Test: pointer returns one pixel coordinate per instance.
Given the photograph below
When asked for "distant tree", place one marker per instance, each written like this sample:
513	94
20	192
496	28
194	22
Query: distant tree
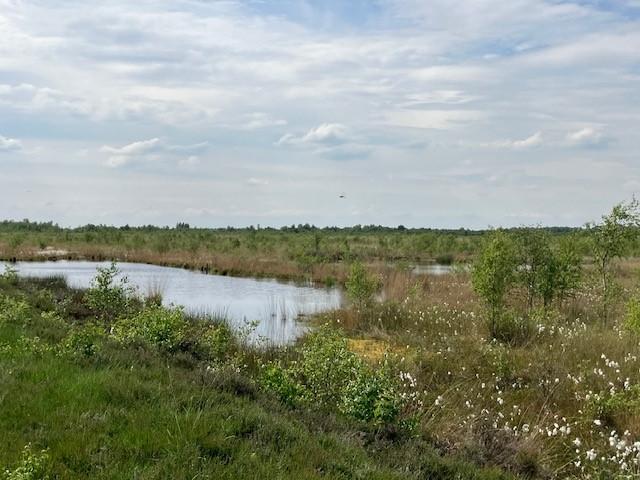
494	273
611	240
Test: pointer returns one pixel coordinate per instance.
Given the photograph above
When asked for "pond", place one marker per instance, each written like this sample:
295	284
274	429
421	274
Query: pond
275	306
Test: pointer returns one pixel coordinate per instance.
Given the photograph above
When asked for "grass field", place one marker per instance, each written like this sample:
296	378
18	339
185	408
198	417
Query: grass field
91	407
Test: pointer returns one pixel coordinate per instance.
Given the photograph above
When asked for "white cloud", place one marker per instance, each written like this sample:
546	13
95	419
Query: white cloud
257	182
141	147
532	141
431	119
189	162
325	134
449	97
414	87
152	149
10	144
586	137
256	120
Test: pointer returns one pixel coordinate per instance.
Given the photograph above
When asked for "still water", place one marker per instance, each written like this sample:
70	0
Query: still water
275	306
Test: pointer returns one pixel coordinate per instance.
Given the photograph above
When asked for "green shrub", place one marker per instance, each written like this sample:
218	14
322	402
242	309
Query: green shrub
328	375
511	328
216	340
372	396
612	407
10	275
24	345
494	273
326	367
13	310
632	318
32	466
84	341
361	286
280	381
161	327
107	298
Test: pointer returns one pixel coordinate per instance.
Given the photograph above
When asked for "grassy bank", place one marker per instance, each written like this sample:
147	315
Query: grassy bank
85	393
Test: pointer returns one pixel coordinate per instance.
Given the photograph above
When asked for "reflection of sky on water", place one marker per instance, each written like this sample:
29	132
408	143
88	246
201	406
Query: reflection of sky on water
273	304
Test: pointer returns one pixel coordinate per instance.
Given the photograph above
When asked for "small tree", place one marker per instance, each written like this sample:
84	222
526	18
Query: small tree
610	240
361	285
547	272
494	273
107	298
536	264
568	268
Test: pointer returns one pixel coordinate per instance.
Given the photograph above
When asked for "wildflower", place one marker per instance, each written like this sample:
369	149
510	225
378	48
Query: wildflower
597	422
591	455
577	442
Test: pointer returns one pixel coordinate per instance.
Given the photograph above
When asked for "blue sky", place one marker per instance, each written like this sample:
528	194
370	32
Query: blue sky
423	113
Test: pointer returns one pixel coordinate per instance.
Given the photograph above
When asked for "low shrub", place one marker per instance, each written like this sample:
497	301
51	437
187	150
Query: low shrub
13	310
632	318
328	375
84	341
613	408
33	466
160	327
511	328
279	380
215	341
9	276
107	298
372	396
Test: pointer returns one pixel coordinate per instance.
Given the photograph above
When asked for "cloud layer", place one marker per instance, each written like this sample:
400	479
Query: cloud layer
432	113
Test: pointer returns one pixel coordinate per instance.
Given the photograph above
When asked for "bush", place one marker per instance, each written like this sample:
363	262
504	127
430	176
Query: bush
161	327
280	381
10	275
328	375
632	318
216	340
494	273
326	367
361	286
612	408
33	466
13	310
108	299
84	341
511	328
372	397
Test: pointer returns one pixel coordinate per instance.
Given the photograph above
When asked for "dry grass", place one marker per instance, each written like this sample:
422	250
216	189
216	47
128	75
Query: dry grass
523	407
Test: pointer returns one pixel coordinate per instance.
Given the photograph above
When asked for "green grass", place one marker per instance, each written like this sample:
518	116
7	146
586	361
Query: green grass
135	412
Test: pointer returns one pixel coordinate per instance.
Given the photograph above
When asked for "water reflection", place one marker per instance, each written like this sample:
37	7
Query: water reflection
273	308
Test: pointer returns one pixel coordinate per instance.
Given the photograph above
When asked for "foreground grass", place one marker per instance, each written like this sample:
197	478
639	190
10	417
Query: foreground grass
134	411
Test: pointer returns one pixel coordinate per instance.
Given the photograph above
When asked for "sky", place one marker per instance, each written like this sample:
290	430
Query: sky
425	113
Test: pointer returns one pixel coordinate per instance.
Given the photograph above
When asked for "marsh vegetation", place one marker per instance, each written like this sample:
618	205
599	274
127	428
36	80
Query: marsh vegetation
522	365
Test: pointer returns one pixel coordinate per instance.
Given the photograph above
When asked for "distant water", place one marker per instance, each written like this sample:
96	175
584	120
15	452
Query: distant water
433	269
274	305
